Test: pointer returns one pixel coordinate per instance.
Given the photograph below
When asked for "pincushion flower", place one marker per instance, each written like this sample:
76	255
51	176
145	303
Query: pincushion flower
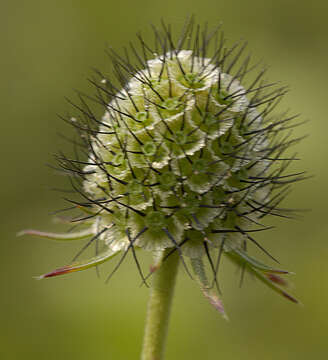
186	160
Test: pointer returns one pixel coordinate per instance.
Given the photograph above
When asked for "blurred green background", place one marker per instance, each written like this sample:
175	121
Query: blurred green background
48	48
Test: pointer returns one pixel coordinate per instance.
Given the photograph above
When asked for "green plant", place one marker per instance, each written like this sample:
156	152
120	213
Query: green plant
185	163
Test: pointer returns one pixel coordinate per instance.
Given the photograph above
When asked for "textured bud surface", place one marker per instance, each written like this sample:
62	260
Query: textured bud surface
176	152
184	156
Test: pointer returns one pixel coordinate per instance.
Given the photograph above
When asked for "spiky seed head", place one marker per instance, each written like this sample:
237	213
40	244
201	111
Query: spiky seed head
185	156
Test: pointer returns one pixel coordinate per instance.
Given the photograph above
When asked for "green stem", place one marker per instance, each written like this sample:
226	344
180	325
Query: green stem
159	306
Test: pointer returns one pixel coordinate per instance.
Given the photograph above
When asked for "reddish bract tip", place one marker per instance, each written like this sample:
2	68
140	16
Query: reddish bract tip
289	297
276	279
61	271
217	303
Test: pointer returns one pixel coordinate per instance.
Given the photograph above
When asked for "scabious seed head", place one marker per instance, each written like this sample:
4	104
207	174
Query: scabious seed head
185	156
175	142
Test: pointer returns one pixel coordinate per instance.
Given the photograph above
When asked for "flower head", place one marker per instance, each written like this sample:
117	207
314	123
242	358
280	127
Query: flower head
189	155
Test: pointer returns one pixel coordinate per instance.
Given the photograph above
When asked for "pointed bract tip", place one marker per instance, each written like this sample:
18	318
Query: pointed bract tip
39	277
289	297
22	232
60	271
216	303
30	232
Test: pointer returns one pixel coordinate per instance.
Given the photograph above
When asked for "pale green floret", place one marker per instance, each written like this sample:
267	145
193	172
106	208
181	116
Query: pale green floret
192	80
149	149
176	153
141	116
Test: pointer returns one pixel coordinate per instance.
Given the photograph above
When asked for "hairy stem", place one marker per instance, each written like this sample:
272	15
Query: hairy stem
159	306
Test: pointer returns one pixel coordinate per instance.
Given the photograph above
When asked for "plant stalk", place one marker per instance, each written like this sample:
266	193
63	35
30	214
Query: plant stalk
159	306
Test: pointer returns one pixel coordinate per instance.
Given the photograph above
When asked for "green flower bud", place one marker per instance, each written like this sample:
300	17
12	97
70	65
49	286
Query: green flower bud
185	157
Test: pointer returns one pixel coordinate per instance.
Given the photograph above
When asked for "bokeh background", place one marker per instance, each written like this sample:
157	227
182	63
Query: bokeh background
47	50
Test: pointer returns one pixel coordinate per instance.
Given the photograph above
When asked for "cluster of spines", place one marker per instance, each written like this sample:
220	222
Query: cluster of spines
224	209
